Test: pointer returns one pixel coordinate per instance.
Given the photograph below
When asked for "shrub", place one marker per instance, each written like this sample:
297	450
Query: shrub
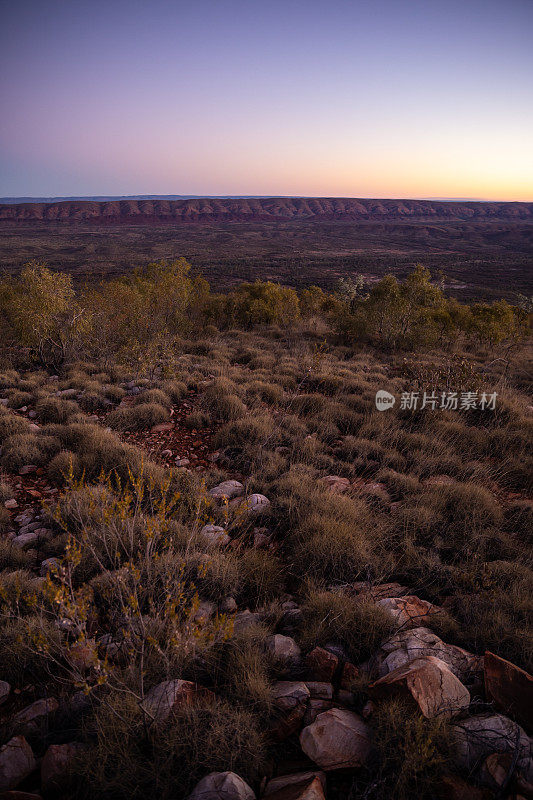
55	410
335	617
138	418
28	448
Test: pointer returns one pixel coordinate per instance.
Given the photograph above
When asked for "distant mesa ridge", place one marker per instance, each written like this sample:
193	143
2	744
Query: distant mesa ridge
191	210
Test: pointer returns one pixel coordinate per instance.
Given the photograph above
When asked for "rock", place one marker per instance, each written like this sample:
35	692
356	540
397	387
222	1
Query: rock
495	770
283	648
168	696
56	763
336	484
338	739
27	720
509	688
350	674
5	689
316	706
282	781
254	504
83	655
433	686
439	480
16	762
25	540
28	469
48	565
321	664
226	490
407	645
162	427
245	619
320	690
379	591
228	605
290	694
307	789
477	737
222	786
11	504
214	535
182	462
408	611
290	699
204	612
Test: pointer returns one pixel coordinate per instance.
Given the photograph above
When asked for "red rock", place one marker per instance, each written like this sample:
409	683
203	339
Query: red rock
336	484
309	789
350	674
432	685
16	762
410	611
168	696
321	664
338	739
56	763
282	781
509	687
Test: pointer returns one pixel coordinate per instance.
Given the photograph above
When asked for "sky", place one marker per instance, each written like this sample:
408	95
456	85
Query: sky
354	98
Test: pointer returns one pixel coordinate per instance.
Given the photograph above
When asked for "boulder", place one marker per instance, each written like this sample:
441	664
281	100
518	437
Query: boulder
16	762
283	781
283	648
28	720
408	612
320	690
337	739
321	664
497	768
475	738
509	688
222	786
406	645
452	787
214	535
350	674
169	696
378	591
245	619
314	707
308	789
254	504
289	700
56	764
226	490
433	686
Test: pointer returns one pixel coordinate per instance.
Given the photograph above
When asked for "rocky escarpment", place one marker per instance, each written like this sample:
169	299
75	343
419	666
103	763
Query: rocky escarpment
260	209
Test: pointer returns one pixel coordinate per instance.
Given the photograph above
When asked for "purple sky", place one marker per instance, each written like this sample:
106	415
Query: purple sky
381	98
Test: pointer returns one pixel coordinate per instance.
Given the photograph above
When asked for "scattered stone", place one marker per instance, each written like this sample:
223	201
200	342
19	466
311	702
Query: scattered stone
245	619
28	469
222	786
321	664
379	591
435	689
162	427
168	696
11	504
338	739
290	698
509	688
56	763
182	462
214	535
226	490
16	762
477	737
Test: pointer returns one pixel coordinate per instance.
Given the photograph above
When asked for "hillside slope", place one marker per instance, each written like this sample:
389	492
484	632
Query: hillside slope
266	209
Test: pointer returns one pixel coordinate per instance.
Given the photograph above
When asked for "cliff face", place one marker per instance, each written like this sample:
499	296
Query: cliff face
260	209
